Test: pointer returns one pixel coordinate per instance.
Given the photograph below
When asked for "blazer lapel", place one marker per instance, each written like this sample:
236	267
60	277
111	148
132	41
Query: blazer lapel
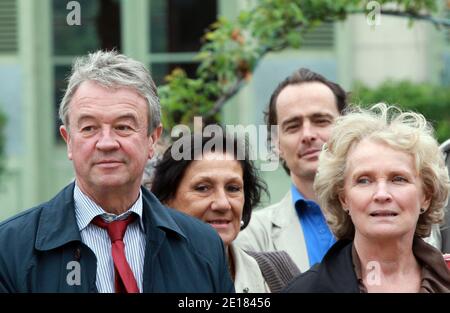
287	232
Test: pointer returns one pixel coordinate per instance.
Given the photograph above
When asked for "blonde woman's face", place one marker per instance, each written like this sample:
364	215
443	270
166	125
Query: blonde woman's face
382	191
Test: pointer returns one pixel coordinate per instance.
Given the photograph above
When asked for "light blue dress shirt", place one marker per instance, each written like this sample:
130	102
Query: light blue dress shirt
317	234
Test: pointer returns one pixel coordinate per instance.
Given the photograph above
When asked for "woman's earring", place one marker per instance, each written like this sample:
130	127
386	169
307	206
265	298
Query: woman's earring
242	223
422	210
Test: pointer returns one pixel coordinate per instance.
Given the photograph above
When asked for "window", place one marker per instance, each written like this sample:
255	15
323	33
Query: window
8	26
100	29
176	29
320	37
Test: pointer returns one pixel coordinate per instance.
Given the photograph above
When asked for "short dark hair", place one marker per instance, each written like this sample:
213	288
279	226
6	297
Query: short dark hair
302	75
169	172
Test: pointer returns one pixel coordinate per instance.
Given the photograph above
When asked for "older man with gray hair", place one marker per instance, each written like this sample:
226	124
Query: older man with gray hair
104	232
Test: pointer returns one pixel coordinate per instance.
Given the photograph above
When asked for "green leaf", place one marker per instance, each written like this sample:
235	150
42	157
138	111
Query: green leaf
231	50
430	100
293	39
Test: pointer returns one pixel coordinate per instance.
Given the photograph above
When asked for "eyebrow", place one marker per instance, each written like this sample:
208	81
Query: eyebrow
84	117
126	116
317	115
208	178
363	172
312	116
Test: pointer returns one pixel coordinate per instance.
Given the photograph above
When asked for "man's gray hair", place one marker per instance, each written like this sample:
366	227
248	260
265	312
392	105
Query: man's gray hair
112	70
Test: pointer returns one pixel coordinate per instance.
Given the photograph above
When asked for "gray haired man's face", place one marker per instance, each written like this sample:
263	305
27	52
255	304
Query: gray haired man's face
108	141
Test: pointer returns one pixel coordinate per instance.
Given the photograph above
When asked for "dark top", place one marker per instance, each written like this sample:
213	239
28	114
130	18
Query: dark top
39	246
340	271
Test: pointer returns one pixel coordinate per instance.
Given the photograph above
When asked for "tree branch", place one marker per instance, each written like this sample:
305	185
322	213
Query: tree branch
235	89
435	20
225	97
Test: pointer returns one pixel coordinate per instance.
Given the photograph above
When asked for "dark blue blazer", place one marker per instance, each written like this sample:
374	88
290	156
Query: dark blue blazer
38	247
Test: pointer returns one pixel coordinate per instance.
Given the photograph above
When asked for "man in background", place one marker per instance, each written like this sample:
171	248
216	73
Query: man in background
304	107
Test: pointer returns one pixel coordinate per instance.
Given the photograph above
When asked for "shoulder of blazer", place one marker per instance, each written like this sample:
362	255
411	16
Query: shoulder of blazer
272	211
281	213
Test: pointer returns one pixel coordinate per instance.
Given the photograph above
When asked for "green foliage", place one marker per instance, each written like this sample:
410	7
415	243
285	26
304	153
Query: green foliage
432	101
183	98
231	51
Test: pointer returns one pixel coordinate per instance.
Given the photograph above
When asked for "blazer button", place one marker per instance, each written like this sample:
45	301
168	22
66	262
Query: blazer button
245	290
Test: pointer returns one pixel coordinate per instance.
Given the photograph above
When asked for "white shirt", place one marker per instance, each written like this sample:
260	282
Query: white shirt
248	277
97	239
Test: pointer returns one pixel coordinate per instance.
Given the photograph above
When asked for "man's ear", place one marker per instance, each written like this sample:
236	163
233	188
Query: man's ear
66	136
153	138
275	143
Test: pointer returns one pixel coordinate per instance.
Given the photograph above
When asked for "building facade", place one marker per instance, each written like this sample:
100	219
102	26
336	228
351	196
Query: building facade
39	39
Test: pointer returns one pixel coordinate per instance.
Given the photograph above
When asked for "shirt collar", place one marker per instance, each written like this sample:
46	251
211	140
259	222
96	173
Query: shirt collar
57	224
434	272
296	195
300	202
86	209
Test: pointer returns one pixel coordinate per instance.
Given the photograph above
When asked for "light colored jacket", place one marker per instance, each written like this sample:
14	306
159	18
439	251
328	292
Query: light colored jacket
445	228
275	228
248	276
440	234
435	238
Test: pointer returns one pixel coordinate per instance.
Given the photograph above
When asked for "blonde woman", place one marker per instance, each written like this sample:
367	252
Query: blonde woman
382	184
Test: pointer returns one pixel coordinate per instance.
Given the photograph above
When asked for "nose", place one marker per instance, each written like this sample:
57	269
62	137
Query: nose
107	141
382	193
309	133
220	201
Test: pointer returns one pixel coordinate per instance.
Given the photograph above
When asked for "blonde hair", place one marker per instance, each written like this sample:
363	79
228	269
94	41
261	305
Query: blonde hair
405	131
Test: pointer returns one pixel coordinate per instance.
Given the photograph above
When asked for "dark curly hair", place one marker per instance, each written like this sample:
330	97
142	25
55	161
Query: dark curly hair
169	171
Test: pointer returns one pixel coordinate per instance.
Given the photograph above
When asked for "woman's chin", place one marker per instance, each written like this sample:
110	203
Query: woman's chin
227	237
